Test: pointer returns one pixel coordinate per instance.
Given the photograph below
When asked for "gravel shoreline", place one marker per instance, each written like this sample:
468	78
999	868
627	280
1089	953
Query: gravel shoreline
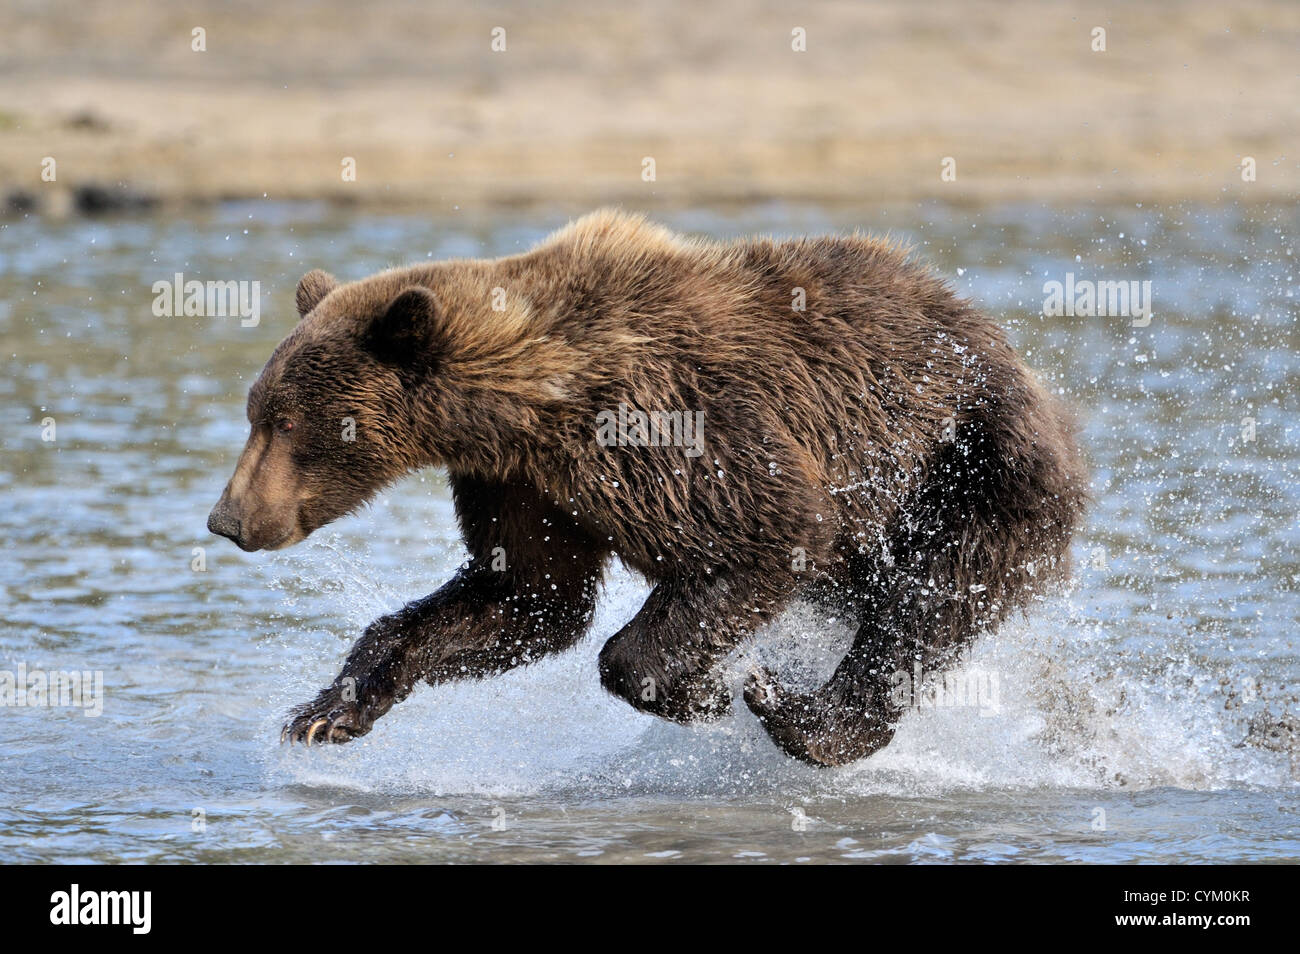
569	112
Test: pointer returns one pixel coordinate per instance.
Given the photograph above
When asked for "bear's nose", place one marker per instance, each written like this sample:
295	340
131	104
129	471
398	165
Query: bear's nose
223	524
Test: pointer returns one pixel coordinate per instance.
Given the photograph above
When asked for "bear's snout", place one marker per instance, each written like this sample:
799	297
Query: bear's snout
258	531
224	523
260	509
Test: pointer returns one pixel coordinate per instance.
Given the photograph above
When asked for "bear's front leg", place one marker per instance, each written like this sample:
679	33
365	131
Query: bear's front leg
478	623
372	681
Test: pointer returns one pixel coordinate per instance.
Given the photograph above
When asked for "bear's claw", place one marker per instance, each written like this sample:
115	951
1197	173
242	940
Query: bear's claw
311	730
328	718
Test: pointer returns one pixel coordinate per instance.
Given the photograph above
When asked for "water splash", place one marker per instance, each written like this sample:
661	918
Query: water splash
1073	711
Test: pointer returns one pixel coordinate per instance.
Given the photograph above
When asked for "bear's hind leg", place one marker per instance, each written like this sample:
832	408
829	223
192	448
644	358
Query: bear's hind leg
847	719
988	527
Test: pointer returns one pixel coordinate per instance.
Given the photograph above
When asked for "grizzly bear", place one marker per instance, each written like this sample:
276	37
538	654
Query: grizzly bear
743	423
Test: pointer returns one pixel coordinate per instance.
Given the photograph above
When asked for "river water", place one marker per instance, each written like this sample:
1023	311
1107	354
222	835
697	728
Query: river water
1150	713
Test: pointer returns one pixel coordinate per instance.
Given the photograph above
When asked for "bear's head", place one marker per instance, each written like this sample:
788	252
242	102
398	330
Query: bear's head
336	414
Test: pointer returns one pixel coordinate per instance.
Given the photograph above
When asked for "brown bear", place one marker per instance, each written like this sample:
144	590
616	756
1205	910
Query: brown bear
743	423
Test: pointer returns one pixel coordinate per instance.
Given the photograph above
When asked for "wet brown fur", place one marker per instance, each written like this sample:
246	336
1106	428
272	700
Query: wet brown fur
884	449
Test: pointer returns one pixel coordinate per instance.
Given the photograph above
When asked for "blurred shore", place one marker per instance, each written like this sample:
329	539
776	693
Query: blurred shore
581	95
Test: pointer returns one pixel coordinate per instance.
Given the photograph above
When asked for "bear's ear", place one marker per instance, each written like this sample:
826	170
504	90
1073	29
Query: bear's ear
406	333
313	287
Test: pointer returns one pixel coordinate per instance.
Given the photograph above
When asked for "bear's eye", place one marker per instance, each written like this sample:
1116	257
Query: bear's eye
284	425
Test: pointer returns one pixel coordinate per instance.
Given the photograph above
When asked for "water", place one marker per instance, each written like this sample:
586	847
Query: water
1148	714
